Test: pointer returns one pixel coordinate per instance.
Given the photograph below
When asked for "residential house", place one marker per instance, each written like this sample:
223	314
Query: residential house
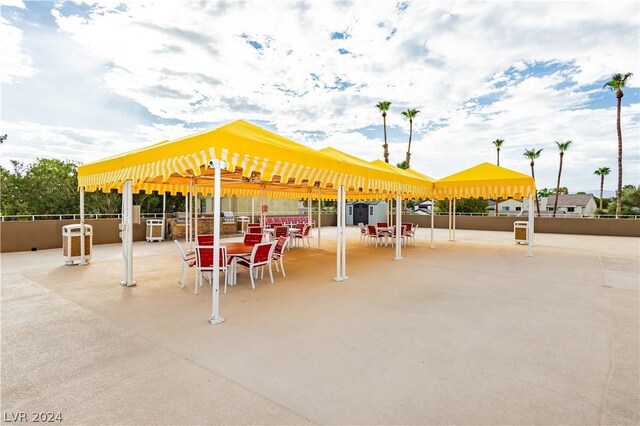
572	204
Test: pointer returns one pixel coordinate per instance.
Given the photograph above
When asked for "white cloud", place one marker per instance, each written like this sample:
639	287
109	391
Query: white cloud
15	62
189	63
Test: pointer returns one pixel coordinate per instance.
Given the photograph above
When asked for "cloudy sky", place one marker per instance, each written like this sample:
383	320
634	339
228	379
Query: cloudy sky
82	81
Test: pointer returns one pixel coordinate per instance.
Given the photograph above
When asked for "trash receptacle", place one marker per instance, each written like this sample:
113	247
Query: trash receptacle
71	236
520	233
243	222
154	229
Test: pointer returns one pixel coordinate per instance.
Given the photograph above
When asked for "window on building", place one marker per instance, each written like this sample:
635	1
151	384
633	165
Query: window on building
504	208
571	209
350	211
370	210
518	209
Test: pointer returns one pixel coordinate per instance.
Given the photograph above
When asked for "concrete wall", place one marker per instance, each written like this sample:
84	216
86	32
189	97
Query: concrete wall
548	225
47	234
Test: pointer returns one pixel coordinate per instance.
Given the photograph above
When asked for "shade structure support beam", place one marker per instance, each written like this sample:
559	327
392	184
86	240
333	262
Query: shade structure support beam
217	165
164	213
530	227
398	227
433	209
341	257
454	219
83	258
196	209
309	212
126	233
319	214
450	208
263	203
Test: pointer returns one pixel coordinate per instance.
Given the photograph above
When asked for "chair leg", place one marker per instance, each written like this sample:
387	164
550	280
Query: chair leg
282	265
270	273
253	285
182	276
198	278
226	278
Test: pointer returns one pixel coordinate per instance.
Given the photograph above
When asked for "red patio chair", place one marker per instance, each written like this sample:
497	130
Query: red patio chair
303	234
260	257
204	263
278	253
402	235
188	261
411	233
382	225
363	232
280	231
205	239
255	229
375	234
252	238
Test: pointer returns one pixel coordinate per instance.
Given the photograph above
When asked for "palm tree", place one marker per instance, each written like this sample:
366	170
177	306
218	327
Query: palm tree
562	146
602	172
383	106
532	154
410	113
498	143
616	84
544	192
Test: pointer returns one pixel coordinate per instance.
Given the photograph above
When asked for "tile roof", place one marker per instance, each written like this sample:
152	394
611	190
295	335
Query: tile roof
570	200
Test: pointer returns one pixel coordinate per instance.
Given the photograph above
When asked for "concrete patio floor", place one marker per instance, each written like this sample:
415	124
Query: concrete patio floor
471	332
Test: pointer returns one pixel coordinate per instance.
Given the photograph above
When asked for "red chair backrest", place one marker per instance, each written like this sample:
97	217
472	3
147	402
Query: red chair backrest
205	240
254	230
276	224
261	253
306	230
408	226
252	238
280	231
204	256
299	226
280	245
382	225
372	230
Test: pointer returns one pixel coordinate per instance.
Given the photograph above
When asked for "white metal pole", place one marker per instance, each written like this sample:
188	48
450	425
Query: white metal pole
164	212
454	218
186	217
319	215
344	233
127	232
253	209
309	213
215	293
196	209
433	205
450	204
338	234
530	227
83	260
398	228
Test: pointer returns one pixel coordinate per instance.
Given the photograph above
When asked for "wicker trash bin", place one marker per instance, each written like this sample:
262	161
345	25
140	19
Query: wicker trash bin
71	236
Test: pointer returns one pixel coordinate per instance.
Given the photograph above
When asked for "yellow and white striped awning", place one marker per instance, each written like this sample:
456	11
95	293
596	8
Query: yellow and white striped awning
485	181
257	160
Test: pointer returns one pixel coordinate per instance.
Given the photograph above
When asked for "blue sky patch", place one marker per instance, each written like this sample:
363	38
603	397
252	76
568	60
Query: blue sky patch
343	51
339	35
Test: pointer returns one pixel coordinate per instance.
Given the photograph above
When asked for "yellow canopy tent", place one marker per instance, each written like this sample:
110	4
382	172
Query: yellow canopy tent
487	181
256	160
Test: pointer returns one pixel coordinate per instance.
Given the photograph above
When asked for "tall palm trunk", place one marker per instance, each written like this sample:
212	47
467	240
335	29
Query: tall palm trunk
498	162
385	146
409	147
555	202
601	189
619	95
533	175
